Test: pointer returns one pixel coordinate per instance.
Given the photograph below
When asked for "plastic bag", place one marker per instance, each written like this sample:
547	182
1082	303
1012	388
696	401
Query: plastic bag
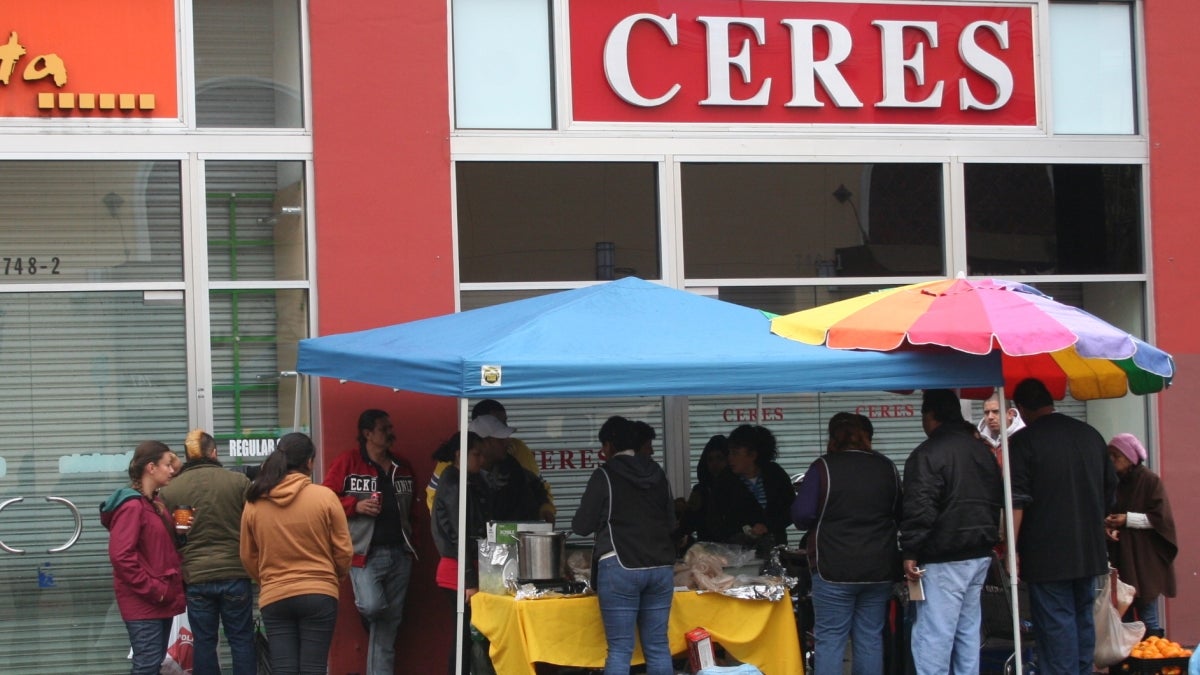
708	563
179	648
1122	592
1114	639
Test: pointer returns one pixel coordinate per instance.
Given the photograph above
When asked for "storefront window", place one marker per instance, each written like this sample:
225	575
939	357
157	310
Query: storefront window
254	334
1092	68
248	64
256	221
811	220
502	69
84	377
90	221
557	221
1053	219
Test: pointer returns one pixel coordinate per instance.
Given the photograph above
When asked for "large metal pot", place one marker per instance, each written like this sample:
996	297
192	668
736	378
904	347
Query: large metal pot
540	555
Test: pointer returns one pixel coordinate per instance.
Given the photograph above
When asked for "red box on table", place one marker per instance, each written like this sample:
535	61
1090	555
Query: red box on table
700	649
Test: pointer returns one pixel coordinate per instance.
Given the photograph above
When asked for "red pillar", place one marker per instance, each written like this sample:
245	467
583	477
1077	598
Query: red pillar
384	251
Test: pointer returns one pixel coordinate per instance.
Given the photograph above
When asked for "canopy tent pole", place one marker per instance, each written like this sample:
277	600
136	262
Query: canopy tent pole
461	587
1010	540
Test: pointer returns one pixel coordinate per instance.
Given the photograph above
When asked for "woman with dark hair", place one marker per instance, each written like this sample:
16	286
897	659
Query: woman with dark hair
850	504
753	496
1141	530
713	460
627	504
147	575
295	543
445	530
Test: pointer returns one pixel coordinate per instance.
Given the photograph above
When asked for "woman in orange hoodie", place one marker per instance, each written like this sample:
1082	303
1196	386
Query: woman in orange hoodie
295	543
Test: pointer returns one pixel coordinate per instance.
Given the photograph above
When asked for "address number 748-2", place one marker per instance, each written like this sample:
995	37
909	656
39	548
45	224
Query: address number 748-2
30	266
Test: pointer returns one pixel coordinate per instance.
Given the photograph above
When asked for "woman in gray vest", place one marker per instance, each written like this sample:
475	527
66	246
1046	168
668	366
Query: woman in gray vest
850	503
628	505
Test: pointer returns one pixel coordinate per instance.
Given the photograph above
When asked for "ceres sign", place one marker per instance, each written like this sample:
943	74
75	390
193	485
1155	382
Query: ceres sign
768	62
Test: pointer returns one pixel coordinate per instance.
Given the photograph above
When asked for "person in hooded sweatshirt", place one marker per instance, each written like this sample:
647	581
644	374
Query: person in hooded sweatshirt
628	506
147	572
296	544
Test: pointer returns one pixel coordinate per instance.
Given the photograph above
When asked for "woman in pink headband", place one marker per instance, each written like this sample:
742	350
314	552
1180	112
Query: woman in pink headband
1141	530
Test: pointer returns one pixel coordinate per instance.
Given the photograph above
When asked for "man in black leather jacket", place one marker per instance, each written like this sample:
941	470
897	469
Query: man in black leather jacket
953	498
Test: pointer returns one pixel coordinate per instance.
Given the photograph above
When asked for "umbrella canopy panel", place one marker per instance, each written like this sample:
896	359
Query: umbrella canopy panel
1067	348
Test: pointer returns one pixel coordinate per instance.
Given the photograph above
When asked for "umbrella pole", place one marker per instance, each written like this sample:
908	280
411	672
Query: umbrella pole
1010	541
463	561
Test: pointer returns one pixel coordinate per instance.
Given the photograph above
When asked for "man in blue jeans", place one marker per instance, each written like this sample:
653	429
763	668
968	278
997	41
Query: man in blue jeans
376	488
1062	483
953	497
218	588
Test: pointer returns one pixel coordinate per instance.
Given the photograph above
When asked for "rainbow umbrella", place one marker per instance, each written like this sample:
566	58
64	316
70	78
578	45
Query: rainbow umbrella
1065	347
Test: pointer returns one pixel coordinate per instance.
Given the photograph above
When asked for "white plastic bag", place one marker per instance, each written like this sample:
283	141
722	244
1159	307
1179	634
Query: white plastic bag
1123	593
1114	639
179	648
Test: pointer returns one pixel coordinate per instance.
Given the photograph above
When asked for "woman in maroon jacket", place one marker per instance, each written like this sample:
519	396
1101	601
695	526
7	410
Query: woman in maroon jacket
146	566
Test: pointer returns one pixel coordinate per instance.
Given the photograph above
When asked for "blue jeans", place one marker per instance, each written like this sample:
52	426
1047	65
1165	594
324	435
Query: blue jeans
638	598
1063	625
946	633
148	638
857	611
379	590
229	602
1145	611
299	631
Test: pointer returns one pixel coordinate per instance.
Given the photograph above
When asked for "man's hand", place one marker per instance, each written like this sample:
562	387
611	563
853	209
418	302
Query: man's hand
911	571
1115	521
370	506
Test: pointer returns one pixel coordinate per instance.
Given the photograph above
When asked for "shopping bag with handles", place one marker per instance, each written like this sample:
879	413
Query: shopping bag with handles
179	648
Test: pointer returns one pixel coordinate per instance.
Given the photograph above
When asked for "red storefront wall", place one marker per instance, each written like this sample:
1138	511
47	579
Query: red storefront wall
1174	99
382	177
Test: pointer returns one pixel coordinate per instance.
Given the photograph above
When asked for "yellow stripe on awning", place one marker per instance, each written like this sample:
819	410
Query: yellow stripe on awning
1091	379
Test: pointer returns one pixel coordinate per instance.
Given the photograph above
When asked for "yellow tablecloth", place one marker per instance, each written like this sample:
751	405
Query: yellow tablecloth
568	631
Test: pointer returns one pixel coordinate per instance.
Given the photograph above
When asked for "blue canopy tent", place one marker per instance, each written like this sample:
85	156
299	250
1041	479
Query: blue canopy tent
623	338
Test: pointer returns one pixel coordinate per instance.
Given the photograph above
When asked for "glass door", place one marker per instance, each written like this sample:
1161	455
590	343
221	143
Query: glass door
84	377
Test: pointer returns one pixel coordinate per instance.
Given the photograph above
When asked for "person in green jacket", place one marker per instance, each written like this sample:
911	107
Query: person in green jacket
218	587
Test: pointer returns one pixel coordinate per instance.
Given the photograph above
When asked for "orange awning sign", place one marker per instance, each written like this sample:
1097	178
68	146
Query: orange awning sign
122	61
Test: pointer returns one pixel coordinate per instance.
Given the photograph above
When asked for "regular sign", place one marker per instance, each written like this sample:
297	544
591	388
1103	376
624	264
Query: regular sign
816	63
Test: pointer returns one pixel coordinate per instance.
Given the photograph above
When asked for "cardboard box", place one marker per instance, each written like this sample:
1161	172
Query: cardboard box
700	650
505	531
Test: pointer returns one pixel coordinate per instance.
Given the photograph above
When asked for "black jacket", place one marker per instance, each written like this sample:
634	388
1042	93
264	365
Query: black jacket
628	505
514	493
1063	480
953	496
445	518
735	507
850	505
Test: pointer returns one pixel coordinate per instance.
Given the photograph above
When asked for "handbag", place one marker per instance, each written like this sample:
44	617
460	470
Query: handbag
1114	639
262	648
